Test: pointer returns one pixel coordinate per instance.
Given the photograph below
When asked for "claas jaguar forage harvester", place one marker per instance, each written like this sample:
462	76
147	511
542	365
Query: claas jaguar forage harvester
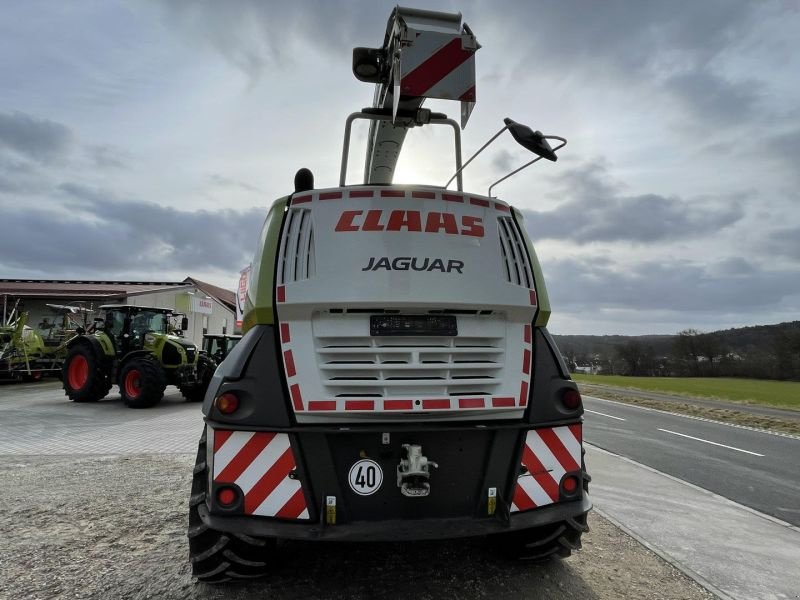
396	379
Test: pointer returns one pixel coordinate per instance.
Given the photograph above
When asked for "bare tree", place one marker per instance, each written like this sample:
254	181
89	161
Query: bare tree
687	351
637	357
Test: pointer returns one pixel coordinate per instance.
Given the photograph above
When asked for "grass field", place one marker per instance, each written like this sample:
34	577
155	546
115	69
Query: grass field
783	394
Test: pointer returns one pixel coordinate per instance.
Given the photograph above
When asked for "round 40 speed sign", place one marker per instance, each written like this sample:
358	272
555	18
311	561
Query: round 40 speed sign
366	477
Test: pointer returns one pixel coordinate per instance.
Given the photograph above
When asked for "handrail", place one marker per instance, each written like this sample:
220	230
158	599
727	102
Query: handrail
402	121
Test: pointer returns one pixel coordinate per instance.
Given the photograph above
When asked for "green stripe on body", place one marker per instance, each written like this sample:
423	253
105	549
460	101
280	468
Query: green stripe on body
258	308
543	314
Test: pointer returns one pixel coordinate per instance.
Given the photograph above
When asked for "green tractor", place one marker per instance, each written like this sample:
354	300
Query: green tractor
218	346
136	347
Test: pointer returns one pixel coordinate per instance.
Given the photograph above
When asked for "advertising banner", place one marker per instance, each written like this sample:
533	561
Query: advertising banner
203	306
241	294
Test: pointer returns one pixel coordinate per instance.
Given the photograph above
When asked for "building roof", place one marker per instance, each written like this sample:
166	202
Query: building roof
71	289
221	295
76	290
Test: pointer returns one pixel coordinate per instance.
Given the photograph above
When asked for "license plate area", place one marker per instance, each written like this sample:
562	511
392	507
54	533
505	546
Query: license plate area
413	325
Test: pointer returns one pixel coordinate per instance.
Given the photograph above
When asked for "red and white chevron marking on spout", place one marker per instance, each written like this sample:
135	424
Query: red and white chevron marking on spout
548	455
437	65
260	464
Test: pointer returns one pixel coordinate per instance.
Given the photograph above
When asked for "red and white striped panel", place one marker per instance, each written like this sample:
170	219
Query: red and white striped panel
548	454
260	464
438	65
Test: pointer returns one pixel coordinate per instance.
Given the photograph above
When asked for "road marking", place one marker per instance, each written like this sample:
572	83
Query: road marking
594	412
696	418
709	442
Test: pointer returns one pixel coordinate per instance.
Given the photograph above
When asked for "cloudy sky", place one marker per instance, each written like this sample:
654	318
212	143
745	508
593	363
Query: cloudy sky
145	140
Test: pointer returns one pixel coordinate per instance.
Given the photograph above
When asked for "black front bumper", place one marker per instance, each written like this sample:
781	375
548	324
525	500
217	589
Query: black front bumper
398	529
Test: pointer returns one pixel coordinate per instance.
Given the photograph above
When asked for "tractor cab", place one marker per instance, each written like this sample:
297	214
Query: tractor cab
132	328
218	346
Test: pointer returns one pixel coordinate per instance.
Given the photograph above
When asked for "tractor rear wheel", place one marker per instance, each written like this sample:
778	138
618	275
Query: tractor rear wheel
216	556
84	376
196	392
142	382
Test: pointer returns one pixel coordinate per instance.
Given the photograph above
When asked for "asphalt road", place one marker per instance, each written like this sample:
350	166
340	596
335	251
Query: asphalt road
759	470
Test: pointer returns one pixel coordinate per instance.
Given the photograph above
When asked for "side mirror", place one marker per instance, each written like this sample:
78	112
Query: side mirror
184	323
535	141
532	140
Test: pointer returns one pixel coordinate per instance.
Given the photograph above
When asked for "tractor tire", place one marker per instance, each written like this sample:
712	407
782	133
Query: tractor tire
548	542
196	392
84	377
217	556
142	382
541	544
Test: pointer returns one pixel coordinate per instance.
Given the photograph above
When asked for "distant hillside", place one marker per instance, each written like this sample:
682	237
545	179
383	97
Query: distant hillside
762	351
605	344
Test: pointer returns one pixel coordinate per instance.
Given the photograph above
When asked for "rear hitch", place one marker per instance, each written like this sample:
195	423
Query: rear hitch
413	472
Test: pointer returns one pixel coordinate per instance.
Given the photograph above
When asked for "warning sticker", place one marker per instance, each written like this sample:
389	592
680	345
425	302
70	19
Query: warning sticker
366	477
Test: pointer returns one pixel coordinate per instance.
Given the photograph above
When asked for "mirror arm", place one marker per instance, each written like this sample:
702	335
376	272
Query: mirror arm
528	164
471	158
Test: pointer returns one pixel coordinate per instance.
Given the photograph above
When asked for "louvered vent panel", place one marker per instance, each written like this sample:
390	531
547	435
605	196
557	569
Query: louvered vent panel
396	367
516	265
297	261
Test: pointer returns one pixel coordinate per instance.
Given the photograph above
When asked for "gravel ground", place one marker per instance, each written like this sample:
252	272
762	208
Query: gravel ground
115	527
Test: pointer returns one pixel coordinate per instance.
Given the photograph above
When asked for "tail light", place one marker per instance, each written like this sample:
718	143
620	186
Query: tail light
569	485
571	399
227	497
227	403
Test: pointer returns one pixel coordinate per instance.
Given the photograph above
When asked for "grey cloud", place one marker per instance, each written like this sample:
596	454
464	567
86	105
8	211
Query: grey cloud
39	139
784	149
108	157
648	35
784	242
503	160
733	266
646	41
649	46
787	145
255	35
102	234
669	286
20	177
595	210
714	99
227	182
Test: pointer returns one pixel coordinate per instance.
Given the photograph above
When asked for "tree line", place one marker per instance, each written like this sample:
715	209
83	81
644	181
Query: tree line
759	352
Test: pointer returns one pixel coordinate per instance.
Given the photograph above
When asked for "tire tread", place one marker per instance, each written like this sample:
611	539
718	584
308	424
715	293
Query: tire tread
215	556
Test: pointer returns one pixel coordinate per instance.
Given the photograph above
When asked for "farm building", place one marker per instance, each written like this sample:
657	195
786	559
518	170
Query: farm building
210	309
